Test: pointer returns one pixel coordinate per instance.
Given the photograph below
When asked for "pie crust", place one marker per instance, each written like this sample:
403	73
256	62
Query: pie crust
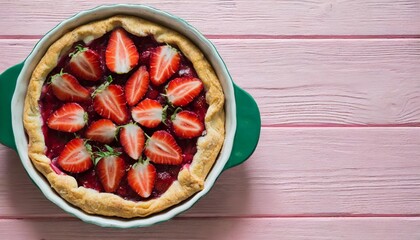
190	179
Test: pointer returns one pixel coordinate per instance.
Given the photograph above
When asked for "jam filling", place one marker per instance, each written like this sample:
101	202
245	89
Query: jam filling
56	140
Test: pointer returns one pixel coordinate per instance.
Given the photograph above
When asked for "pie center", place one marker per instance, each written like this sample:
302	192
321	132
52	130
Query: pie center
122	114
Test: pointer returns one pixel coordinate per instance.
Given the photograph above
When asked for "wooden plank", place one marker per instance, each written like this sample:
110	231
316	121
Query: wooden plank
315	82
240	17
294	172
216	228
329	82
333	171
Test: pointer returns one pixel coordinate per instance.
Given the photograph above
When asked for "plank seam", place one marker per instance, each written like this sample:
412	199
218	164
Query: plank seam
256	36
351	216
336	125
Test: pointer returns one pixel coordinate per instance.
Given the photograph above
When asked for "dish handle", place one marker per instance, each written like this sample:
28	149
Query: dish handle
247	130
8	83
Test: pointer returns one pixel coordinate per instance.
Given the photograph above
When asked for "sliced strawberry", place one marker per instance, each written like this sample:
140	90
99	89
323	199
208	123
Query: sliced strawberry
75	157
148	113
164	62
103	130
71	117
121	54
187	124
132	140
86	64
137	86
109	102
162	148
141	178
182	91
66	88
111	169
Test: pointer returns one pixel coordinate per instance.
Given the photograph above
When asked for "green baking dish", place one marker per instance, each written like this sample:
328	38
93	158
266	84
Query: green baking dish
243	121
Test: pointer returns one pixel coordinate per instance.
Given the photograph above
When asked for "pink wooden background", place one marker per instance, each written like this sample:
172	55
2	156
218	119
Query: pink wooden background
338	85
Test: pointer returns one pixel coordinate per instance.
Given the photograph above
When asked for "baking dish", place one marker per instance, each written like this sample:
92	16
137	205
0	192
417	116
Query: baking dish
242	114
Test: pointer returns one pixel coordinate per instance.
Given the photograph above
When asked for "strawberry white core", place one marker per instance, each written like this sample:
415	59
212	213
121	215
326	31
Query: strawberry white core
77	156
65	87
112	169
180	91
165	60
187	124
149	115
72	119
107	132
123	63
108	100
83	65
132	131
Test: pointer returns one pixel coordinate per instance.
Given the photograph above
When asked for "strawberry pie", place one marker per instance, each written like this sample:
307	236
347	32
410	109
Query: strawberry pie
125	117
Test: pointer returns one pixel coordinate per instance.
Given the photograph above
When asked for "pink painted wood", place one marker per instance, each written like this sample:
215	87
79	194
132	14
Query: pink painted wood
338	87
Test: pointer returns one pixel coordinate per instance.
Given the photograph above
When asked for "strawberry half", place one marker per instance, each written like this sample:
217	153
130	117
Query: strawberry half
162	148
86	64
110	168
148	113
70	117
109	102
141	178
164	62
182	91
66	88
132	140
103	130
76	156
136	86
187	124
121	54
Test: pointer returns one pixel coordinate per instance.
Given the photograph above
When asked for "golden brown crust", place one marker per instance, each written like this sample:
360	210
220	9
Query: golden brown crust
190	179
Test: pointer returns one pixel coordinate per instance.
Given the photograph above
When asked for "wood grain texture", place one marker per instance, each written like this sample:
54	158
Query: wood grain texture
371	82
215	228
240	17
294	172
329	82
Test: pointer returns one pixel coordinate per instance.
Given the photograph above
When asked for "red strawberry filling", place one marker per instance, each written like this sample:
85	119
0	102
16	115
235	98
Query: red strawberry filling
168	145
